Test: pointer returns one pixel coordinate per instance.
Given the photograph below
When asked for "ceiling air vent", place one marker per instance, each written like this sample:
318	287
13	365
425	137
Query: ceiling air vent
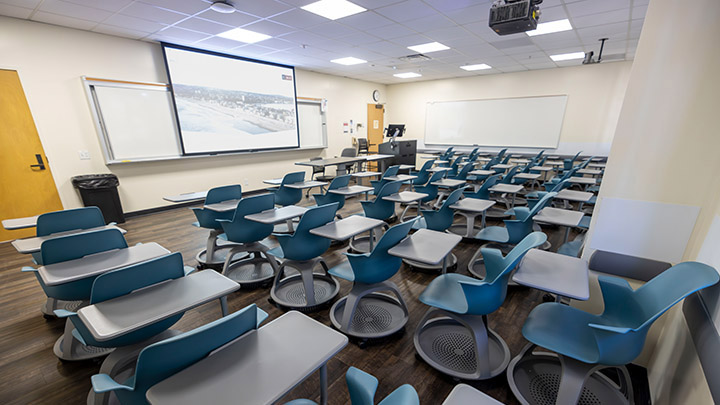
418	57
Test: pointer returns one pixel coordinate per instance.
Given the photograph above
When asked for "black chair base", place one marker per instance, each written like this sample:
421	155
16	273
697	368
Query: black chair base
306	291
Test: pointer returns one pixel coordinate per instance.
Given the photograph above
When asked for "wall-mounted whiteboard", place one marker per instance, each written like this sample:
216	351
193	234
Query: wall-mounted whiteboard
533	122
136	121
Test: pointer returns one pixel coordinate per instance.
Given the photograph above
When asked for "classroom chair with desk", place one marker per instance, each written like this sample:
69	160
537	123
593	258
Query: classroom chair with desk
365	313
328	198
423	175
379	208
165	358
390	172
214	255
301	251
427	188
67	220
247	236
453	336
586	343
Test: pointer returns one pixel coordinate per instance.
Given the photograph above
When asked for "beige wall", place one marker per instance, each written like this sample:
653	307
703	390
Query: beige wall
595	95
51	60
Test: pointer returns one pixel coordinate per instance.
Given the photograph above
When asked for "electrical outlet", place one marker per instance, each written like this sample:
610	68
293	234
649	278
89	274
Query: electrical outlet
246	182
84	155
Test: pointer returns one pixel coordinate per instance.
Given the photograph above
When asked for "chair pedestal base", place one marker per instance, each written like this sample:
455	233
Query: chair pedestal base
306	291
51	304
250	272
67	348
218	251
537	377
367	314
460	345
120	365
452	263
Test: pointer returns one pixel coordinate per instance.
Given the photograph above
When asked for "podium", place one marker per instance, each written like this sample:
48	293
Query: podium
403	151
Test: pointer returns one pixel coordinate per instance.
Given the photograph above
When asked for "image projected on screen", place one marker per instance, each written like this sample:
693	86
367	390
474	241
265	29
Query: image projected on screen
226	104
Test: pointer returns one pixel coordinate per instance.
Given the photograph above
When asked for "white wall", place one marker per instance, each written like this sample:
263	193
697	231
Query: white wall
595	95
50	61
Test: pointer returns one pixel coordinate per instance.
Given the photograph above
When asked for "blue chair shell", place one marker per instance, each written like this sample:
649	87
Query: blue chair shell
389	172
362	387
241	230
302	245
424	173
327	198
208	218
442	219
379	208
285	196
483	192
67	220
515	229
428	188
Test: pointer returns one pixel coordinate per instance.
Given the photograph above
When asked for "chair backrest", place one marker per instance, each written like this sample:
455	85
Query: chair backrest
507	179
424	174
380	208
391	171
378	265
241	230
502	153
428	188
329	198
165	358
520	227
218	194
292	178
442	219
563	184
302	245
75	246
463	173
339	182
288	196
483	193
568	163
362	145
505	160
348	152
625	265
539	155
473	154
363	386
67	220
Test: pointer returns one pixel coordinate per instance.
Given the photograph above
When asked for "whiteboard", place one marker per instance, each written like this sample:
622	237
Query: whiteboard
136	121
533	122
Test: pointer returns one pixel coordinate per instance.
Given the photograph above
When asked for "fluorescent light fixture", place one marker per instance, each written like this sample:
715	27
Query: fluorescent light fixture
333	9
239	34
407	75
429	47
481	66
567	56
348	61
550	27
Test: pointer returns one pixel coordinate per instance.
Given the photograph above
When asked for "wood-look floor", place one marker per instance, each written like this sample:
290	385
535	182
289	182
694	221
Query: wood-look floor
30	372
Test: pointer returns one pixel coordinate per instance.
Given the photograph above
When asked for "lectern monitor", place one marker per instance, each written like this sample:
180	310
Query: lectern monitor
392	129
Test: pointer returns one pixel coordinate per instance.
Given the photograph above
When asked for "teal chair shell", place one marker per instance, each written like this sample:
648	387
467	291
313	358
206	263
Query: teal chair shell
208	218
67	220
515	229
473	154
163	359
241	230
423	174
362	387
121	282
442	219
463	173
389	172
508	177
447	154
462	294
379	208
302	245
616	337
483	192
568	163
285	196
505	160
502	153
327	198
73	247
376	266
428	188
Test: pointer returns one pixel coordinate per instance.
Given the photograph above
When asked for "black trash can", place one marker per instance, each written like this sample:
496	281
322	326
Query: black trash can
100	190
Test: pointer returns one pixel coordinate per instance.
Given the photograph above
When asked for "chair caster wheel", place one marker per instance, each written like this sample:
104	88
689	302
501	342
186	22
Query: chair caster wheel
548	298
272	301
362	343
418	357
48	317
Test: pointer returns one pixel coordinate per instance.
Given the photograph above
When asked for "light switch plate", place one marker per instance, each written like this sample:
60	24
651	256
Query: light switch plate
84	155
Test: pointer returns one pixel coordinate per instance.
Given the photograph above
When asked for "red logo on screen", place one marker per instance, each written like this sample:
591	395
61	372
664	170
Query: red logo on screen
287	77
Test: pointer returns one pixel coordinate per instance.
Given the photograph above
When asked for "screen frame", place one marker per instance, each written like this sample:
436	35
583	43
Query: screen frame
165	45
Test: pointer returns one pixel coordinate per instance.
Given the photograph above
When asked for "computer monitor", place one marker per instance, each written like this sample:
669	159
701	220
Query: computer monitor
395	130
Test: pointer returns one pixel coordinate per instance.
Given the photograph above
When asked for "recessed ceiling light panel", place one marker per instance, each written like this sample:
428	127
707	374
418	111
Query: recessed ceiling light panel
241	35
333	9
407	75
429	47
567	56
551	27
349	61
481	66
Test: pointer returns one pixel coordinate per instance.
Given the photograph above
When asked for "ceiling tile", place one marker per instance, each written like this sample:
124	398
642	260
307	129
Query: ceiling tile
186	7
450	5
512	68
639	11
392	31
264	8
332	30
217	43
587	7
388	48
366	21
133	23
480	12
148	12
22	3
172	34
268	27
74	10
429	23
406	11
299	18
542	65
359	38
62	20
601	19
119	32
108	5
411	40
444	34
278	43
375	4
202	25
14	11
612	31
552	14
236	19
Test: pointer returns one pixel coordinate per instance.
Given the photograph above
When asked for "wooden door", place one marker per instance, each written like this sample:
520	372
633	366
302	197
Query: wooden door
27	187
375	125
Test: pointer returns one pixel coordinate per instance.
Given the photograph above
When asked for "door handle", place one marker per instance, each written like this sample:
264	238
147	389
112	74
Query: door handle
41	164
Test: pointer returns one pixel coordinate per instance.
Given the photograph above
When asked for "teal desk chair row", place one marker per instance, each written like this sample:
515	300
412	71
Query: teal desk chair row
389	172
248	236
424	173
371	273
306	291
214	255
163	359
378	209
328	198
284	195
569	163
483	193
462	174
67	220
362	388
453	336
587	343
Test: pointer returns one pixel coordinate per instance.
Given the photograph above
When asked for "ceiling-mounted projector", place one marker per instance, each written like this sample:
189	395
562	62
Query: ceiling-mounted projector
514	16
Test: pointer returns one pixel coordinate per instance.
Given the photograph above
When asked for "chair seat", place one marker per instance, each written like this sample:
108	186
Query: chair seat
277	252
343	271
497	234
563	329
403	395
420	224
585	222
446	293
571	248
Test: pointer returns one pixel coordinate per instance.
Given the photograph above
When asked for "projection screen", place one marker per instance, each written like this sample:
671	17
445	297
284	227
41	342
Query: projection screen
227	103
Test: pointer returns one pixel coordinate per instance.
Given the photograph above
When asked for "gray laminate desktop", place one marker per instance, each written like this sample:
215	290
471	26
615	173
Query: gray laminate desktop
99	263
277	215
351	190
438	169
426	246
464	394
558	274
527	176
507	188
274	182
482	172
470	208
572	195
405	197
258	368
307	184
587	181
186	197
331	161
346	228
589	172
119	316
597	165
20	223
366	174
557	216
223	206
32	245
502	167
449	183
401	177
